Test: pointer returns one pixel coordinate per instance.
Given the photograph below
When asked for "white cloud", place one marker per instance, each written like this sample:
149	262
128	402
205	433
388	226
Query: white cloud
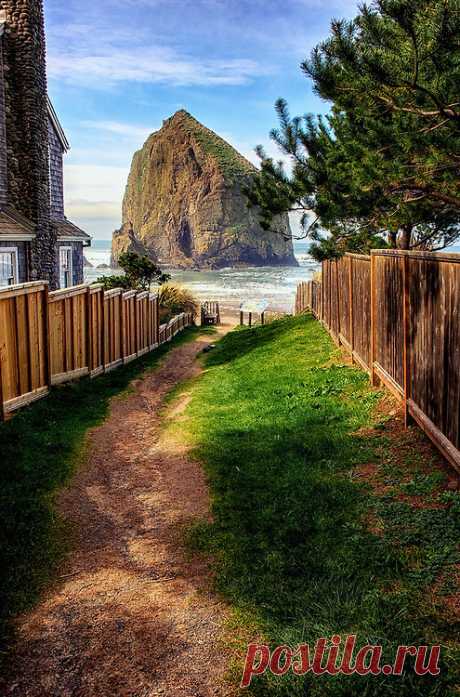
95	183
128	130
94	210
93	197
111	65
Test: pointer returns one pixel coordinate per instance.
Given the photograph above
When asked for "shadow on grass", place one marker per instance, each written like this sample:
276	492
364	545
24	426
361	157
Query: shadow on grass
39	449
275	425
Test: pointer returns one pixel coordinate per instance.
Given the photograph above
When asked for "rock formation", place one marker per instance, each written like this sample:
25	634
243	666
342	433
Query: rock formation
185	205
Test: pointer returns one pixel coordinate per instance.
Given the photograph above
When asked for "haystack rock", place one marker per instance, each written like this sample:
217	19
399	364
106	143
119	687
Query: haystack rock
185	205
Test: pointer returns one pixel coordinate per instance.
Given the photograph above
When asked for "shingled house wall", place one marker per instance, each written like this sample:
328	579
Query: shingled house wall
56	154
27	127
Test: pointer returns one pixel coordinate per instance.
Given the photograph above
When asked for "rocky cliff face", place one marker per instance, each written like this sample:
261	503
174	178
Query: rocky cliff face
184	204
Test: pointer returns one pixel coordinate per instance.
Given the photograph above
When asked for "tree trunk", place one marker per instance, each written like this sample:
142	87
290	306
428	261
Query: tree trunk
405	238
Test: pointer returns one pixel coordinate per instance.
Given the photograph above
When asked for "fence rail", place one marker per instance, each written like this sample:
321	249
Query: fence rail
398	314
50	338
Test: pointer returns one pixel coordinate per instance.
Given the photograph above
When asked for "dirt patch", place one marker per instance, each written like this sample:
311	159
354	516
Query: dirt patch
132	614
180	405
410	452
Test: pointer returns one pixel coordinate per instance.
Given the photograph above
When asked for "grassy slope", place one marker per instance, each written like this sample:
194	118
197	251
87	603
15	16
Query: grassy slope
281	425
40	448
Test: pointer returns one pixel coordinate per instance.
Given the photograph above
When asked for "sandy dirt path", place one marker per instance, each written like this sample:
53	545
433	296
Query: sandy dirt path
131	615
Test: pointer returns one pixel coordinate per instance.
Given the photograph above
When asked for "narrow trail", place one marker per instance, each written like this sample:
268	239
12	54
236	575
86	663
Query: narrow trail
131	614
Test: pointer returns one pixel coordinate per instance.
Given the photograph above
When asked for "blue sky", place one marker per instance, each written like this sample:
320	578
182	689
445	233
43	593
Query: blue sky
117	68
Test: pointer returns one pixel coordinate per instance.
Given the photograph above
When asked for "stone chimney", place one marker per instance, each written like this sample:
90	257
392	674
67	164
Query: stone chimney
3	152
27	127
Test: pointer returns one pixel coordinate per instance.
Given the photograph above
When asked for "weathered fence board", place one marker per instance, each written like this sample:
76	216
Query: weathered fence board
95	302
344	304
388	281
129	326
398	314
142	308
24	369
68	321
50	338
435	342
361	310
112	329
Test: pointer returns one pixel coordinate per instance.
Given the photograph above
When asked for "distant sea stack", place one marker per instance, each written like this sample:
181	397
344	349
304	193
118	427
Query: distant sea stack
185	205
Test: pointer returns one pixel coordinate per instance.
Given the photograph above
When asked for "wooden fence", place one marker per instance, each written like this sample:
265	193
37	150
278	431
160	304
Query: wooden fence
398	314
50	338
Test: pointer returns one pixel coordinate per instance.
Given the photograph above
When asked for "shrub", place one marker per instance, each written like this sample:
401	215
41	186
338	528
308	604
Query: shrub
175	299
140	273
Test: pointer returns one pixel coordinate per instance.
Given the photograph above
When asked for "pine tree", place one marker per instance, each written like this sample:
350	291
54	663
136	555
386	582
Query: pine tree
383	167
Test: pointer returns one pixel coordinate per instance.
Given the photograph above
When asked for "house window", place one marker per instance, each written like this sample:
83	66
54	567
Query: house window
65	267
9	272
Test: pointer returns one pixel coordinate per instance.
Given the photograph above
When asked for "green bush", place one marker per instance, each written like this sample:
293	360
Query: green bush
175	299
139	273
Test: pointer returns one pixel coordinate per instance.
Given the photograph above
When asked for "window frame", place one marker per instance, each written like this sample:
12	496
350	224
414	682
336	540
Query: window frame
15	252
66	248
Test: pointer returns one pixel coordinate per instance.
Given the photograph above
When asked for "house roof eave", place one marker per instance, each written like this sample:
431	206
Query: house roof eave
14	226
69	232
57	126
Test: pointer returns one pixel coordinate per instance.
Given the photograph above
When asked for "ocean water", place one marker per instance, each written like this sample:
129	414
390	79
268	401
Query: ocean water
230	287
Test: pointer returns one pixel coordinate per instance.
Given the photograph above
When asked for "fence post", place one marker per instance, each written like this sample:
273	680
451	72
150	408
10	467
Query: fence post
122	327
337	298
373	309
136	325
323	279
2	404
46	334
350	302
89	329
406	336
104	363
157	320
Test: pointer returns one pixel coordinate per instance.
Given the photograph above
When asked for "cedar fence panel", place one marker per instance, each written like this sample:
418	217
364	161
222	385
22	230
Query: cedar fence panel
316	299
303	297
24	354
112	329
388	281
153	315
434	333
142	323
129	317
68	321
325	295
398	314
50	338
360	289
344	302
309	296
96	326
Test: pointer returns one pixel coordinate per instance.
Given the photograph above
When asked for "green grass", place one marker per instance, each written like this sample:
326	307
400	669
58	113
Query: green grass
40	448
281	424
